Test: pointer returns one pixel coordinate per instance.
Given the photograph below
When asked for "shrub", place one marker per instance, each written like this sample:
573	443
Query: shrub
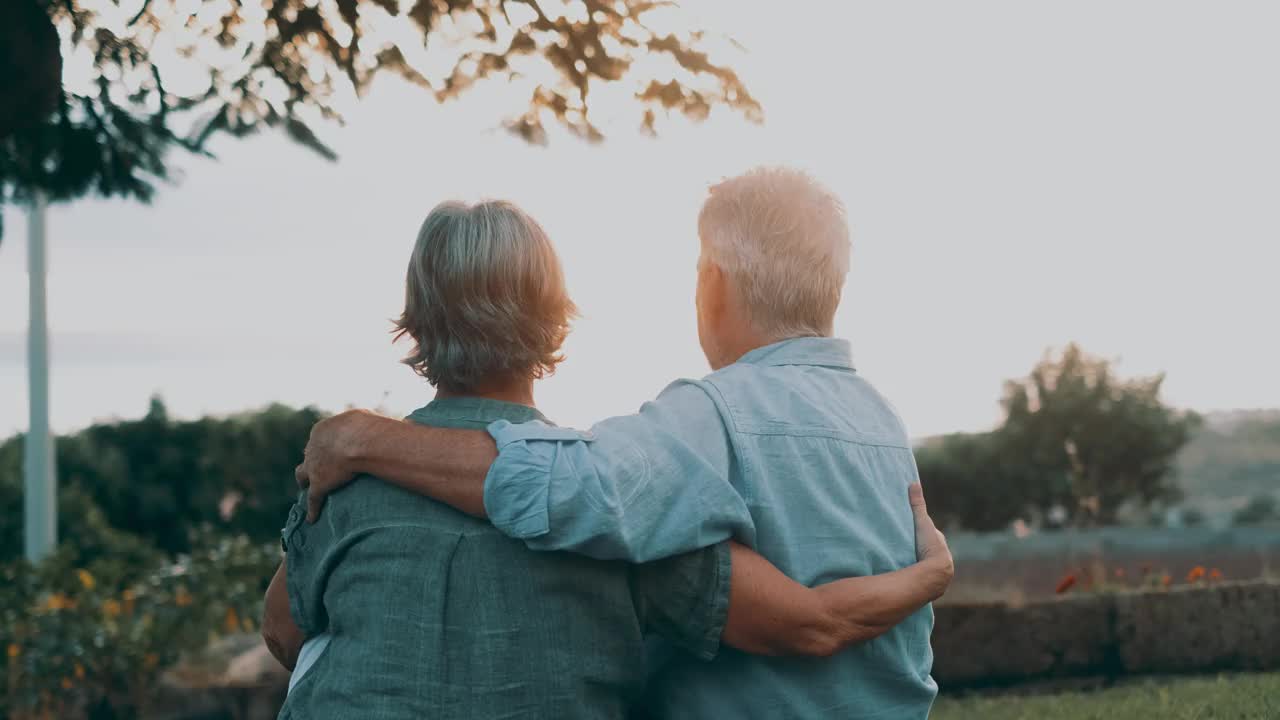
95	639
1261	510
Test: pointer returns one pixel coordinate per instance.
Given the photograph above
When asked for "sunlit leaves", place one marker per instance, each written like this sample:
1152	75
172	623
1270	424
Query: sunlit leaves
170	73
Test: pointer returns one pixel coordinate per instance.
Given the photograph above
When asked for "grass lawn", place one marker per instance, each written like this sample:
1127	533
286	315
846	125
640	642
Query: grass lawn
1228	696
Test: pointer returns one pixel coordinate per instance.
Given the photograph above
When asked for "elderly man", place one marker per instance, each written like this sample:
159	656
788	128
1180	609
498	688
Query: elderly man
783	447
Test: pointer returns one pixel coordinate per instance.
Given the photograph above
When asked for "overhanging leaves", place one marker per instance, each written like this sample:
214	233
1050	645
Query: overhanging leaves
283	63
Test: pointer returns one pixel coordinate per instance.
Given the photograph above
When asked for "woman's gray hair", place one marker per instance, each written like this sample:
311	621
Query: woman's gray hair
485	299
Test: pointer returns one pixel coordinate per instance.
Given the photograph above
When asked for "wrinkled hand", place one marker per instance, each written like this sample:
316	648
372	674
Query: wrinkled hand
931	544
327	459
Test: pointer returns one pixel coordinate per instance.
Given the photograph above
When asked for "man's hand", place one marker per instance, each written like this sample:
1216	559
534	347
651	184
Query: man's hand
931	544
328	462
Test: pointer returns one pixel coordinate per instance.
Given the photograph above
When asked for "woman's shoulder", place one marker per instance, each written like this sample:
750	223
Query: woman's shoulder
369	502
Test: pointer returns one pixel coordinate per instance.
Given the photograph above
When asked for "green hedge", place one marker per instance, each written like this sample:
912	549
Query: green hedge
158	478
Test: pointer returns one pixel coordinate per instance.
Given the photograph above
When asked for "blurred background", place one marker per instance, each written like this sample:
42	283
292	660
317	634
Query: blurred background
1064	276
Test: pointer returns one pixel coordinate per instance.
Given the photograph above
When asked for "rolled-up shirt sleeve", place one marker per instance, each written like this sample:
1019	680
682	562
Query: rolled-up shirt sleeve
637	487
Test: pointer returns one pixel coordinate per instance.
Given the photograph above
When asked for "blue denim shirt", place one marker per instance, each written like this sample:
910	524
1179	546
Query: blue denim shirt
788	450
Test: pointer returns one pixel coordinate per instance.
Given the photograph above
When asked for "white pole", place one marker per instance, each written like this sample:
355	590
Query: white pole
40	492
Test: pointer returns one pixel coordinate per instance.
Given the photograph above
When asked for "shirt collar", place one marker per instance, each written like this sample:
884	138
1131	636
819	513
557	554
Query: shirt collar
476	409
823	351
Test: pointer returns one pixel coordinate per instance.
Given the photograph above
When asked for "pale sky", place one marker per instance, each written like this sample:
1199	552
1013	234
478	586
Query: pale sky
1018	175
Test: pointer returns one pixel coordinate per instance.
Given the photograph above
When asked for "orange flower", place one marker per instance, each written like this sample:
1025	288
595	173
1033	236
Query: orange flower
79	671
86	579
128	598
1167	580
1215	575
231	621
59	601
67	684
182	598
14	650
111	608
1065	584
1196	574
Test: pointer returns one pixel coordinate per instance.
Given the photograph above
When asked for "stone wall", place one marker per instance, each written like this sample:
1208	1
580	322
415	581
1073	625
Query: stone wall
1188	630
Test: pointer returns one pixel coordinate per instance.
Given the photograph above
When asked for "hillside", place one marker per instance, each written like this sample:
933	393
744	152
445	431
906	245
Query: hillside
1236	455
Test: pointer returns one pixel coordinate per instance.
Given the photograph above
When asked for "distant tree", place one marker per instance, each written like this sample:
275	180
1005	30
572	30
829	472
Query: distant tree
1261	510
1089	441
1076	441
159	74
968	484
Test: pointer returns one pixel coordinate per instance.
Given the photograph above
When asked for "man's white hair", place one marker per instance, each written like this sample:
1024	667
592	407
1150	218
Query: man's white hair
783	238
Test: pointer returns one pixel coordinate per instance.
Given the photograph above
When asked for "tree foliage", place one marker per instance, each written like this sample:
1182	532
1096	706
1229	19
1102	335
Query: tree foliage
144	76
968	484
1097	441
1077	445
1261	510
128	486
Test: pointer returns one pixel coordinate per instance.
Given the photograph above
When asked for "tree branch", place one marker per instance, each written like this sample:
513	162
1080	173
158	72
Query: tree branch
146	5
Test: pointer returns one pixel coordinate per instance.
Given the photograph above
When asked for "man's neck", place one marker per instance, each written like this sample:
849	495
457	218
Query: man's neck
753	341
519	392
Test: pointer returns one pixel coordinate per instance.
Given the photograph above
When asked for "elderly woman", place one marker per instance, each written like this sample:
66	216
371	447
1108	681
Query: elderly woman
412	609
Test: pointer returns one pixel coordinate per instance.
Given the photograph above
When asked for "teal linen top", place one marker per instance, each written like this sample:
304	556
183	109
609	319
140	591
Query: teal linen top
422	611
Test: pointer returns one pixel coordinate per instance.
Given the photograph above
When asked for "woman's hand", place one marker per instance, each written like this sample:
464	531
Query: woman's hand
931	544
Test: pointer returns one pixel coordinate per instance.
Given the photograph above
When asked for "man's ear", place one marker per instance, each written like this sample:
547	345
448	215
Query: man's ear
715	288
